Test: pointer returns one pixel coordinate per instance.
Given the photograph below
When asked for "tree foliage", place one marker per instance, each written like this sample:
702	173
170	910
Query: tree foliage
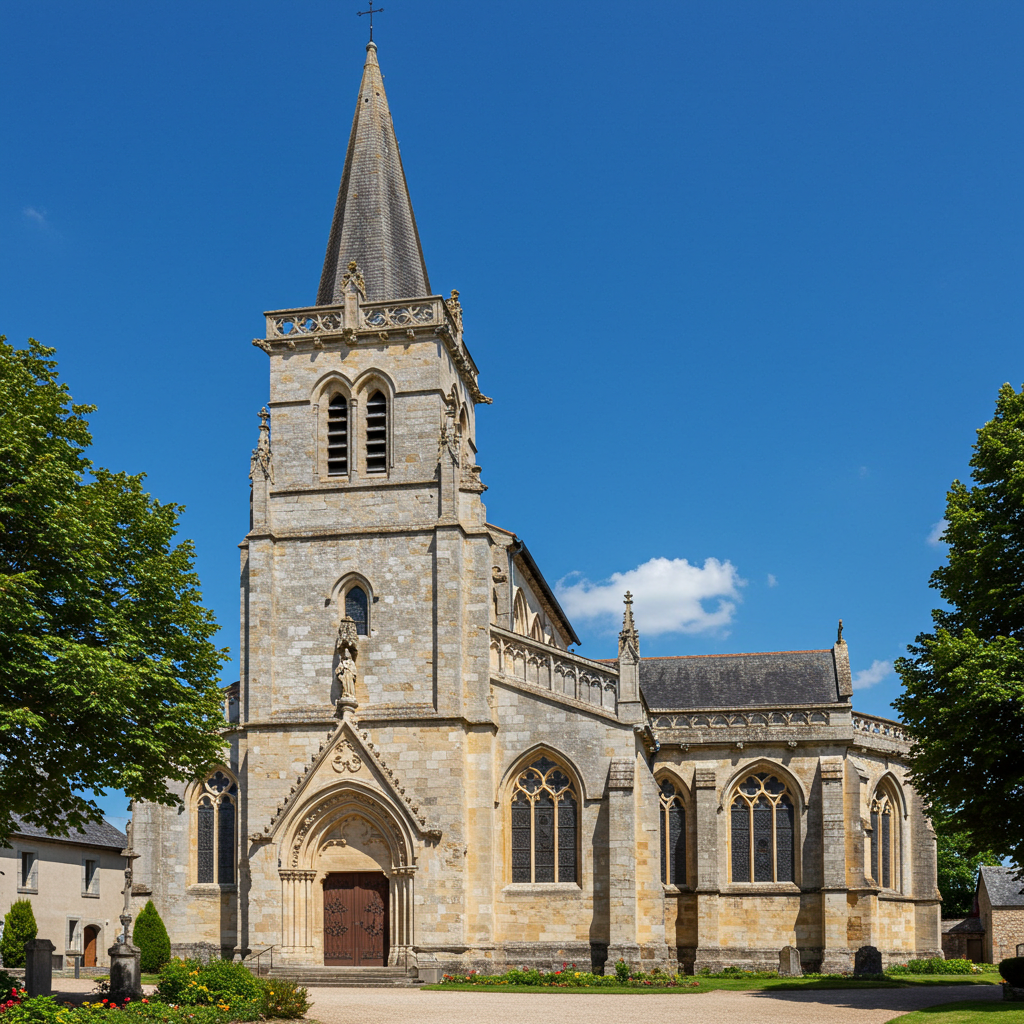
957	866
19	928
150	935
109	674
964	681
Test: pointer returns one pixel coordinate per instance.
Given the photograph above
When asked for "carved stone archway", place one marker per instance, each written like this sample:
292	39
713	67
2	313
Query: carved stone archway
349	828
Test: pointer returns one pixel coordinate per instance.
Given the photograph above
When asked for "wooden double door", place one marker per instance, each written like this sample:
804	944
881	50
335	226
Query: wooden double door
356	919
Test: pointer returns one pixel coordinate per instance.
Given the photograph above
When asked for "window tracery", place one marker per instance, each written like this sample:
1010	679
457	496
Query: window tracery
544	824
762	826
337	436
885	840
216	806
377	433
672	813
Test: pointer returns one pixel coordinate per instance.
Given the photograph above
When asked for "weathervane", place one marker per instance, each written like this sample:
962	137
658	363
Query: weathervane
371	12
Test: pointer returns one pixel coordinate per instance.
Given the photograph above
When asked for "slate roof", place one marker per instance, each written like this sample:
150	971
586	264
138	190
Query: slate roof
373	219
96	833
1003	889
739	680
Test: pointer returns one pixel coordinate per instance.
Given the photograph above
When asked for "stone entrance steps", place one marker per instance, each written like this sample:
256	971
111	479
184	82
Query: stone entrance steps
346	977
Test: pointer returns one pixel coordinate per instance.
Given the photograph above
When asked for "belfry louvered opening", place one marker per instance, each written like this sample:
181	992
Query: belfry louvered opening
337	436
377	433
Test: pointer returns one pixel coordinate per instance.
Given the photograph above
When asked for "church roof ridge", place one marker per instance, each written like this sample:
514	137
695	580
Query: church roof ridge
737	654
374	225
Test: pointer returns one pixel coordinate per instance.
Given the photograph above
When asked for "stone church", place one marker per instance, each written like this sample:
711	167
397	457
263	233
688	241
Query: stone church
422	773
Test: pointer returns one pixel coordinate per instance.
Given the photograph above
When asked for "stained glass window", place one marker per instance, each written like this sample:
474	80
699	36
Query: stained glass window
544	825
357	609
885	838
216	822
205	843
762	831
673	834
226	842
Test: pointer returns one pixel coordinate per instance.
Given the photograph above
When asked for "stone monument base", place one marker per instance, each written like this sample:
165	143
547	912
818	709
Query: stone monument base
125	972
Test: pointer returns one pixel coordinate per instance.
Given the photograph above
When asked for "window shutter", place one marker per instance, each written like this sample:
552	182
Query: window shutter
33	882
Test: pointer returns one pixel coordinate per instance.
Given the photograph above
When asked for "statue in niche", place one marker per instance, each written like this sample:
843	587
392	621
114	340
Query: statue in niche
347	648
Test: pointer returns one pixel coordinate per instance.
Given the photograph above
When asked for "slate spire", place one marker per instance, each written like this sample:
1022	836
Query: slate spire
373	220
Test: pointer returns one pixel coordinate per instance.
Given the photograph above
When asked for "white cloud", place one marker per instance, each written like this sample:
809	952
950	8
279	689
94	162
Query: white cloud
869	676
772	581
670	596
36	216
935	535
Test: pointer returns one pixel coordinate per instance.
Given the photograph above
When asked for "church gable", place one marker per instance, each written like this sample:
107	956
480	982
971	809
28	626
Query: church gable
348	756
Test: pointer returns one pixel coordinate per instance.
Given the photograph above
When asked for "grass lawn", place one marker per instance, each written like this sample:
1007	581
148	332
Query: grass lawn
146	979
965	1013
743	985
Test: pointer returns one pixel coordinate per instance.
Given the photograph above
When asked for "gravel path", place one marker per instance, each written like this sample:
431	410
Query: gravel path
411	1006
839	1006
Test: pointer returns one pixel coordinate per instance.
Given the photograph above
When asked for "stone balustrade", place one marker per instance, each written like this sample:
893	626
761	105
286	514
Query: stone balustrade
880	727
742	719
550	668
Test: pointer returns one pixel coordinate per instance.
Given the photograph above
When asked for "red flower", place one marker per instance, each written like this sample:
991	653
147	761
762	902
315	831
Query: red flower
106	1000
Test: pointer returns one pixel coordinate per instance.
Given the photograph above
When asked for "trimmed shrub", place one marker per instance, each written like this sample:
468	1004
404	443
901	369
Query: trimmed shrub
151	937
19	927
1012	969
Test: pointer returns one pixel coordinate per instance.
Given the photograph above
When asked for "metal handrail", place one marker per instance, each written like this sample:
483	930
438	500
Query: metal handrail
256	957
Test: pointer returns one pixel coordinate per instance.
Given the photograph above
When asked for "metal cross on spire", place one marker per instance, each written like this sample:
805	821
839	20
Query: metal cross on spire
371	12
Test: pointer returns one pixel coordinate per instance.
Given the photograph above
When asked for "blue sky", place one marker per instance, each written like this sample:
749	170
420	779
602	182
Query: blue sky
742	278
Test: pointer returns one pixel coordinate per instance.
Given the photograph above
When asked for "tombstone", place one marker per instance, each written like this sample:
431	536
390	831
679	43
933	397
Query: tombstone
39	967
125	972
867	960
789	963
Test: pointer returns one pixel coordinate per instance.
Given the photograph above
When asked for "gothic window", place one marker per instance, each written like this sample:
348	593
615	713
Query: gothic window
357	609
673	834
377	433
519	614
761	825
885	840
216	824
545	816
337	436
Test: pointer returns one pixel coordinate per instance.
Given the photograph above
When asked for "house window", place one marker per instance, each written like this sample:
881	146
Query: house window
885	841
673	835
761	822
544	824
28	872
377	433
90	877
216	823
74	935
337	436
357	608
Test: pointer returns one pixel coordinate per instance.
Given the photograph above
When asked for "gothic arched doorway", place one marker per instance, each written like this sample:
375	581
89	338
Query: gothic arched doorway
356	925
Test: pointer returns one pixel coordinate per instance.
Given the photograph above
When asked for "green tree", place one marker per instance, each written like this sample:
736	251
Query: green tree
19	928
963	682
958	867
150	935
109	677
